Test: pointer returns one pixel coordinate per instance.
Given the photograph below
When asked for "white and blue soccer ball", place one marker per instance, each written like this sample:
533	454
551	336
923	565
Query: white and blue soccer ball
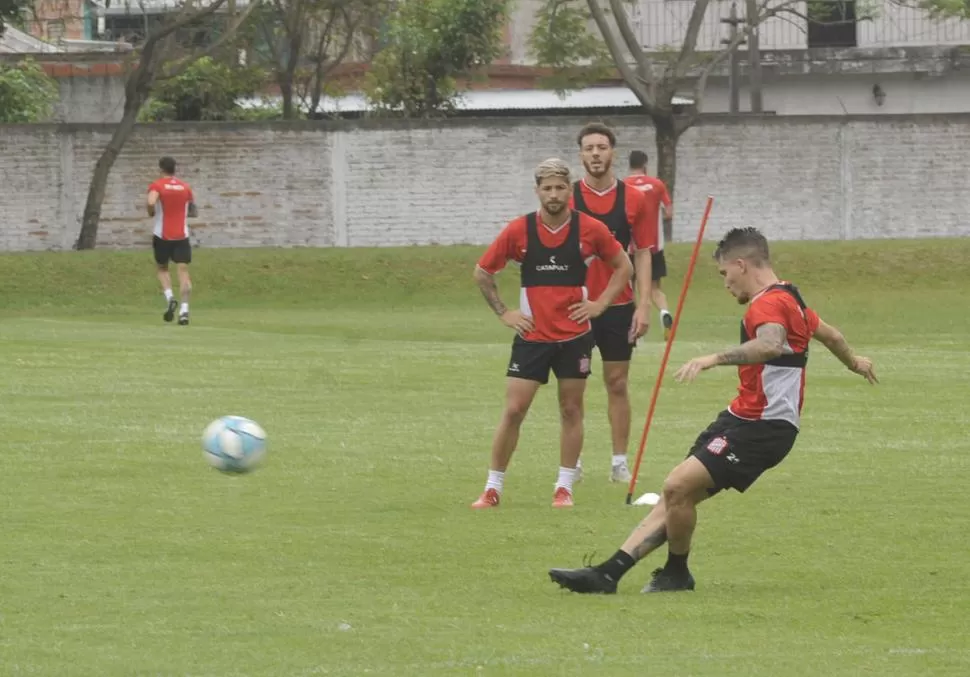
234	444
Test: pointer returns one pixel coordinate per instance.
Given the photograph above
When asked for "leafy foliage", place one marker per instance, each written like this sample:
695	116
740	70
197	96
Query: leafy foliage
429	46
946	9
208	90
578	61
27	93
300	42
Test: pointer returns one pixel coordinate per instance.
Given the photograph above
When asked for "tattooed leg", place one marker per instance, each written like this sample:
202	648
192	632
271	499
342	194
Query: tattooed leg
651	533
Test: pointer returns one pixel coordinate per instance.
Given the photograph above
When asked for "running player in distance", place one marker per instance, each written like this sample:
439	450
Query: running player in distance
655	193
171	203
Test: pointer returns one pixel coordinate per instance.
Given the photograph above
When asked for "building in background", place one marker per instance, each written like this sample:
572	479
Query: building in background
870	57
893	60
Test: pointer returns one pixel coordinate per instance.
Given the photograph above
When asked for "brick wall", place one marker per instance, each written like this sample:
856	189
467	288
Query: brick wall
400	183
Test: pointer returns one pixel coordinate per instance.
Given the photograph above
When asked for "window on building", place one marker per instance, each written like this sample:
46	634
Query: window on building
55	29
832	23
131	28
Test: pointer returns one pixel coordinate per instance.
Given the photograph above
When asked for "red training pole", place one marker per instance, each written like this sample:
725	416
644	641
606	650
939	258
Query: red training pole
673	335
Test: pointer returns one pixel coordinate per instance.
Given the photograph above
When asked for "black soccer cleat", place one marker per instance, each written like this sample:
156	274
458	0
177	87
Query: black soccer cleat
587	580
184	318
668	581
170	313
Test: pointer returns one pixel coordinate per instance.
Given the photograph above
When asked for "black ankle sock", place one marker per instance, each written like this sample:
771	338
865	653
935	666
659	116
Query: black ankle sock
676	563
617	565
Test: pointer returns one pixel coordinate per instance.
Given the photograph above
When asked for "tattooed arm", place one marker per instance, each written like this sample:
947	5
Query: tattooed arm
513	319
486	284
768	343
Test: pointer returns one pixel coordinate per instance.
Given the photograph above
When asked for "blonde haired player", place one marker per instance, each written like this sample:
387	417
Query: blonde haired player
552	324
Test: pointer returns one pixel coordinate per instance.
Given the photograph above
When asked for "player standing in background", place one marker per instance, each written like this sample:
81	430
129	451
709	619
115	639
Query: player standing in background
655	192
171	203
552	325
753	435
624	211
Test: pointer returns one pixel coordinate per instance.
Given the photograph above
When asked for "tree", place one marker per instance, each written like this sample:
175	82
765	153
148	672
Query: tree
207	90
429	45
306	39
159	56
653	76
27	93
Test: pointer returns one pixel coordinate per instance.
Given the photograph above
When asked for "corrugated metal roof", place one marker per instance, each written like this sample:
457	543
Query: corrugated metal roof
505	99
591	97
95	45
138	7
14	41
517	99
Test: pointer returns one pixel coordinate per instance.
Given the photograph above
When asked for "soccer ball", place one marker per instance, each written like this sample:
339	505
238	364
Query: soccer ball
234	444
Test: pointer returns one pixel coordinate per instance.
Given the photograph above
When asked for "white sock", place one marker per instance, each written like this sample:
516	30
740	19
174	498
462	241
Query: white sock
566	478
664	311
619	459
185	308
495	480
168	294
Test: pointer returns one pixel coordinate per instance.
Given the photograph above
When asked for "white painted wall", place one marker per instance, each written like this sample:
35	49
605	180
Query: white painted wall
852	95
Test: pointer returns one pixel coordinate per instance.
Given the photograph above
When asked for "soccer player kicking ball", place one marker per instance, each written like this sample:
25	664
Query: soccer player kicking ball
552	325
753	435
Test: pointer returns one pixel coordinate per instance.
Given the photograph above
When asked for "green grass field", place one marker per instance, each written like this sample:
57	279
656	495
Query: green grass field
379	377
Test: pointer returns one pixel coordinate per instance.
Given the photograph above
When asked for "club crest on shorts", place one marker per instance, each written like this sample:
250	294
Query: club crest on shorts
717	445
584	365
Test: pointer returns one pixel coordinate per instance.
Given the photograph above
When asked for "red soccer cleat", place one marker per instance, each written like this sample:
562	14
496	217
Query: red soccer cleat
563	498
490	499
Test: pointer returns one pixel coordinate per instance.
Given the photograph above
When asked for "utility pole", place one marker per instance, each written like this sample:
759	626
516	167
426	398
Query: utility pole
754	56
734	79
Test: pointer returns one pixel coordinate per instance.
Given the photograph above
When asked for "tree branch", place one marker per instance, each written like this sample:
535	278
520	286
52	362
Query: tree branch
701	84
179	66
802	27
188	17
269	35
643	61
689	47
319	54
785	9
321	71
619	58
344	50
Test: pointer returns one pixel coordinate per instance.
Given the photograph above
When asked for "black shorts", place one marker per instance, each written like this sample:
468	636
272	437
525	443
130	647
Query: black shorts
179	251
736	452
658	265
611	330
569	359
